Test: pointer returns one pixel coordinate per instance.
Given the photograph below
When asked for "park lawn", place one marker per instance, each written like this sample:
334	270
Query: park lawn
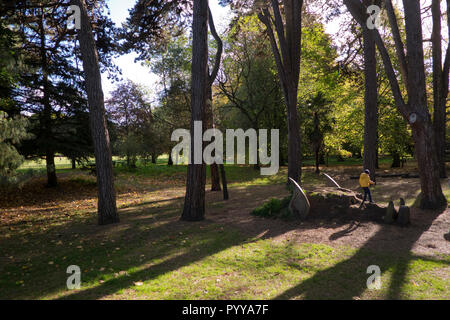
150	256
153	255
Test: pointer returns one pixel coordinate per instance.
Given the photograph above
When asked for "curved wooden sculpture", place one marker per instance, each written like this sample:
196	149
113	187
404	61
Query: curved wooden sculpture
299	204
333	183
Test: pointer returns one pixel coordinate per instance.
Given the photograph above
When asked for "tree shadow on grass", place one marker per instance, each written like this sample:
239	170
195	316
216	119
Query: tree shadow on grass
352	227
210	243
152	228
348	279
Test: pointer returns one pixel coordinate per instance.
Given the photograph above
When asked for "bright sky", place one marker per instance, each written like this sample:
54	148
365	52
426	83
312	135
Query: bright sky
134	71
142	75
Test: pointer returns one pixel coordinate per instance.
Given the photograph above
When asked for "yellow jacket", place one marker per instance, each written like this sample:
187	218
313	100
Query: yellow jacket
364	180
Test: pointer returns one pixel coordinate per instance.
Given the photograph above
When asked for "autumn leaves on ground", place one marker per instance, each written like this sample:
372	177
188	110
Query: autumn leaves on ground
151	254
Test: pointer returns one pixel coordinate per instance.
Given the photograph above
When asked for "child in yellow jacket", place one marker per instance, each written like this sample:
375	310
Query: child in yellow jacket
365	182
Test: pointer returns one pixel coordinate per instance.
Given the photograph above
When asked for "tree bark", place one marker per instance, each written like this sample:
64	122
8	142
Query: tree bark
431	191
371	105
107	210
215	178
294	151
51	169
316	152
423	134
74	164
194	203
396	161
439	91
224	182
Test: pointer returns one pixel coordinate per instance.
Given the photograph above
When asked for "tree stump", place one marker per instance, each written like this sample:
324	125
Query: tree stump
403	216
390	213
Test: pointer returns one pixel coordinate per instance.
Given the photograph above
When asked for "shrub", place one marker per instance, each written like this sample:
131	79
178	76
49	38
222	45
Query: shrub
274	208
342	155
16	181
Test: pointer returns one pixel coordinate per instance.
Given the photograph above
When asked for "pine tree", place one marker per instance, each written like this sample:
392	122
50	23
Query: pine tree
12	131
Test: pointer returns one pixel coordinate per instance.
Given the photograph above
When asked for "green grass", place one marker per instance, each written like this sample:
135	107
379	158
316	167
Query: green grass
446	191
84	181
333	161
39	164
148	258
153	255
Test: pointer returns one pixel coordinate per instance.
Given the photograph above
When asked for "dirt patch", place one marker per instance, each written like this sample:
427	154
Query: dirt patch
424	236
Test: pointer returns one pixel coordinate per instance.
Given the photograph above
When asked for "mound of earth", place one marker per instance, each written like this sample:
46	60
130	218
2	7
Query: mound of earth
331	203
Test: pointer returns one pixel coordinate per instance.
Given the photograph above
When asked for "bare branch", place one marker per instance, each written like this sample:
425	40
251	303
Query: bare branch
357	10
400	49
212	27
264	17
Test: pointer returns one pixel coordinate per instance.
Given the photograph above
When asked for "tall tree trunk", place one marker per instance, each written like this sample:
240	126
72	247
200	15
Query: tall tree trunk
224	182
371	105
377	163
431	191
51	169
316	151
294	151
321	157
440	90
170	161
396	161
194	203
286	49
107	210
215	178
52	180
74	164
422	129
